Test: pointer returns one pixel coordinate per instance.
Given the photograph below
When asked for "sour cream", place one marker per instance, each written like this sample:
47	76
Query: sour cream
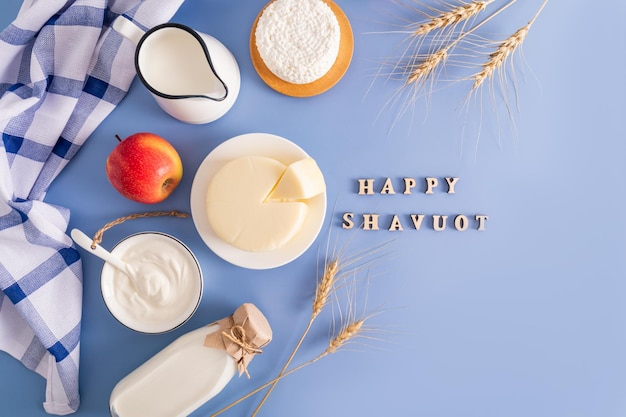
166	289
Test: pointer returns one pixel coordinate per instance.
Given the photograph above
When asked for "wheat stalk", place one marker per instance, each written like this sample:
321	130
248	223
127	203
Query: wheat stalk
504	51
432	61
347	333
337	268
443	20
452	17
322	293
334	271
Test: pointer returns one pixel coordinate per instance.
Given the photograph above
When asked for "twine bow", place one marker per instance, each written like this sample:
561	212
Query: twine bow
242	335
237	335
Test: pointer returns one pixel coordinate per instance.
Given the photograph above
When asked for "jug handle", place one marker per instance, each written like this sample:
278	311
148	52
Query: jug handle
127	28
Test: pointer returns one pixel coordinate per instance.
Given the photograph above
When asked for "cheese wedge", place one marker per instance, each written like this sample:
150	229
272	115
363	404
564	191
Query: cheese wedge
301	180
238	209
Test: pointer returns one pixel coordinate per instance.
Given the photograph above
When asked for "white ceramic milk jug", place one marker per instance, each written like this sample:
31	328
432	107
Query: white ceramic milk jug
191	75
192	369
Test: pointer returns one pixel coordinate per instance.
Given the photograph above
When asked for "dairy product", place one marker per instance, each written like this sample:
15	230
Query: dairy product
192	369
298	40
301	180
166	287
176	381
238	209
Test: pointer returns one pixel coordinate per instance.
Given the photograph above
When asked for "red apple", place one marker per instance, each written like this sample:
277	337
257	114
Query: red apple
144	167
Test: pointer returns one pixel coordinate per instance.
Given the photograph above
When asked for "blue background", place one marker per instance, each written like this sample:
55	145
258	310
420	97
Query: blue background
525	318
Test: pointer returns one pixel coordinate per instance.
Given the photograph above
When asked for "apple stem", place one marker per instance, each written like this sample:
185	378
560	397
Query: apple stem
118	137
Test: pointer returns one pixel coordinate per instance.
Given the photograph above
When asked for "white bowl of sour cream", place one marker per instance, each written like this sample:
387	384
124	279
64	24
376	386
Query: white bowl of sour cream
167	288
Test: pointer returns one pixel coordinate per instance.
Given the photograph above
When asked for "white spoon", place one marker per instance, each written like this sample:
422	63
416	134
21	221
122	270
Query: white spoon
85	242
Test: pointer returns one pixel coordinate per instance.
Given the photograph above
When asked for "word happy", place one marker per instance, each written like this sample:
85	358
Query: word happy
372	221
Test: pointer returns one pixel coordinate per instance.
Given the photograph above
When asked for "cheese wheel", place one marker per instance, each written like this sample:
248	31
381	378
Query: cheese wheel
239	211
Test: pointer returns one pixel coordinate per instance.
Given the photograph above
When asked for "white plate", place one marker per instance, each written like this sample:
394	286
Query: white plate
260	144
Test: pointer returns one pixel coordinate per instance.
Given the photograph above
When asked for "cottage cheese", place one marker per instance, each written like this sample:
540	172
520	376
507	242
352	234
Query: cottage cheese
298	40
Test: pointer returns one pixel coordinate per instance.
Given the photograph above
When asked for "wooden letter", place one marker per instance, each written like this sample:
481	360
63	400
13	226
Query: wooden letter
417	220
461	223
370	221
388	187
409	184
439	223
395	224
481	221
347	221
366	186
451	183
430	184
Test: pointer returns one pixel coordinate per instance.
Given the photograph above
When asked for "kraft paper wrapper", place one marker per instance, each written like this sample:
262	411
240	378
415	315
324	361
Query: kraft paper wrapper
242	335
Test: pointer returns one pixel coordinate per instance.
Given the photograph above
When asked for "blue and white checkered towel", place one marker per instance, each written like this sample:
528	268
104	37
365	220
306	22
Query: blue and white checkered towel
62	71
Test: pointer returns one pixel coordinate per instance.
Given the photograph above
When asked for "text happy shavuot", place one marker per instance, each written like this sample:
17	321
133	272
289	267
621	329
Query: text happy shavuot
371	221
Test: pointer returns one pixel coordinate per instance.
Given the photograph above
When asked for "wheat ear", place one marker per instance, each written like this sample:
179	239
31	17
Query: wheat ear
427	67
500	55
452	17
346	333
324	288
505	49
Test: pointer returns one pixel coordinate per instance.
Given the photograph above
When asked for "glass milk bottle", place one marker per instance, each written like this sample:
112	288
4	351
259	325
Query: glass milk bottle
192	369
